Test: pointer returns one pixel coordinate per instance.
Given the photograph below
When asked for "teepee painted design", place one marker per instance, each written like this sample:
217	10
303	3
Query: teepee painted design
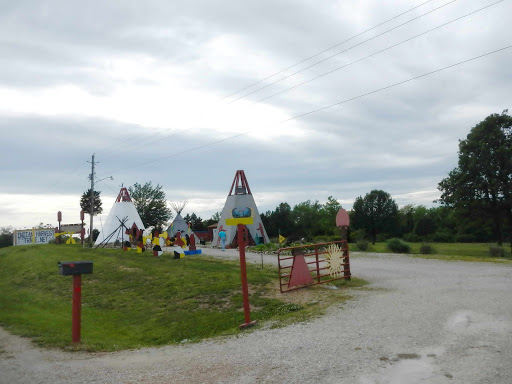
122	210
240	197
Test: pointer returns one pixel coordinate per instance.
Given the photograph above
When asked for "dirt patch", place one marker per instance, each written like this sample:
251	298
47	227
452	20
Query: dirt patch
318	294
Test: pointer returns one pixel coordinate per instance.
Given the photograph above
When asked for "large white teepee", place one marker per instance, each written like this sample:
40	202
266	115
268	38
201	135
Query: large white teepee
123	210
179	224
241	198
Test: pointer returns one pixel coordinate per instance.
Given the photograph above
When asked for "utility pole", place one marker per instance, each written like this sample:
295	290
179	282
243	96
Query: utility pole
91	212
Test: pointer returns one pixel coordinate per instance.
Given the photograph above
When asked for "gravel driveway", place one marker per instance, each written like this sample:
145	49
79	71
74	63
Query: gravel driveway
423	321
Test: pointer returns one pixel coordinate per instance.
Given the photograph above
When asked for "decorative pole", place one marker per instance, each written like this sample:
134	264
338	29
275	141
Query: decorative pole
91	212
243	272
242	217
342	222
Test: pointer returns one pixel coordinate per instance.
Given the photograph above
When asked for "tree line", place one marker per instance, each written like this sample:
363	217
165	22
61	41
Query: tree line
475	202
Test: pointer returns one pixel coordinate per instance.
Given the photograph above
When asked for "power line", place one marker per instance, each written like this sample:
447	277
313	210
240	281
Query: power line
185	151
396	84
328	49
339	53
329	106
120	151
376	53
144	142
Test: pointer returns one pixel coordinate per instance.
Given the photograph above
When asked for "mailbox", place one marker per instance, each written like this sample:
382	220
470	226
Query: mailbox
69	268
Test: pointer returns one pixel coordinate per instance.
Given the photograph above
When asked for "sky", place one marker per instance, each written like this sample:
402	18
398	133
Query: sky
310	98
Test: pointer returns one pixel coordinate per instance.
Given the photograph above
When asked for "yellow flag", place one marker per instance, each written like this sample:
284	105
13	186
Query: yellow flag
281	239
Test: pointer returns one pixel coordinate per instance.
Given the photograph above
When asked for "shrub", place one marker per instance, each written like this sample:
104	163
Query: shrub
427	249
363	245
381	237
411	237
358	234
443	236
496	251
326	239
396	245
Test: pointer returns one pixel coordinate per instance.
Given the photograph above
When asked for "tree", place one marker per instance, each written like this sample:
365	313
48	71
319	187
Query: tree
6	236
481	184
85	202
328	221
425	227
150	204
306	219
377	212
196	223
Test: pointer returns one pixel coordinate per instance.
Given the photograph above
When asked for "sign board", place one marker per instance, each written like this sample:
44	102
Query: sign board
342	218
33	236
75	228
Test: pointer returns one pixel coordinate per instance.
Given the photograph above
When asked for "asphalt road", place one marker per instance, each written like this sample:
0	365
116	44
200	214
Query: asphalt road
422	321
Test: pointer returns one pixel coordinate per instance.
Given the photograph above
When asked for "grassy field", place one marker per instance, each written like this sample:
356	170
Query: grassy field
450	251
134	300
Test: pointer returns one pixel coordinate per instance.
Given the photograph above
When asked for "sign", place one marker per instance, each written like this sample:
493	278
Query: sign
342	218
33	236
240	216
75	228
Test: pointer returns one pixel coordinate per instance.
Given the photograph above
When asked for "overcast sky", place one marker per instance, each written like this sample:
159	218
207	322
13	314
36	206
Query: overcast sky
154	89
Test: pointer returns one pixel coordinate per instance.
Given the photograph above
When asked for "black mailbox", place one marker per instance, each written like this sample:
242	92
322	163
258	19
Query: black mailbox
67	268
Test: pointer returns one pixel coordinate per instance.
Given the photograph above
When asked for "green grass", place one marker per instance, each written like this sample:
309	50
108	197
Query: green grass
134	300
451	251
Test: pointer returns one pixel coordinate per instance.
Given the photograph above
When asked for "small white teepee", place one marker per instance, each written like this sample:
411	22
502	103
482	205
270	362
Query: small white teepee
123	210
179	224
241	199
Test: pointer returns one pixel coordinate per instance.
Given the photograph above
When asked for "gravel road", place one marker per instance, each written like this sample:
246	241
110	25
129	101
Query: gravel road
423	321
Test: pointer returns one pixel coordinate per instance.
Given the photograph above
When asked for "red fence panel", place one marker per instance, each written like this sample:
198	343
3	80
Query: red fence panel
314	264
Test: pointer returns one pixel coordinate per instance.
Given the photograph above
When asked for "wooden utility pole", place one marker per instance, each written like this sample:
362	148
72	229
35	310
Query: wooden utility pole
91	212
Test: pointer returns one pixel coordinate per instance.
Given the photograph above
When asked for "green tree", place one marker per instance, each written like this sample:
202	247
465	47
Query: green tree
328	221
151	204
377	212
406	218
196	223
6	236
306	218
85	202
481	184
425	227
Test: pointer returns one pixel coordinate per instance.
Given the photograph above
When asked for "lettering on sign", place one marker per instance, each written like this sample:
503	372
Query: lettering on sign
33	236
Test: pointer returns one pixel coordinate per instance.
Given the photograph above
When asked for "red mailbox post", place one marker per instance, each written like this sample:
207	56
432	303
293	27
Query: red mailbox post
76	269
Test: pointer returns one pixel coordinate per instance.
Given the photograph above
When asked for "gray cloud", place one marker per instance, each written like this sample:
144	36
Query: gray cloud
403	140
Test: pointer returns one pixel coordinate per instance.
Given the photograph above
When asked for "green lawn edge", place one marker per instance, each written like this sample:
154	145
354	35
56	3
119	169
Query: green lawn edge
134	301
471	252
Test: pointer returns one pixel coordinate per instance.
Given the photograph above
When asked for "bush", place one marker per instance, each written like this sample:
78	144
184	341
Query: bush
358	234
363	245
427	249
381	237
496	251
443	236
411	237
326	239
396	245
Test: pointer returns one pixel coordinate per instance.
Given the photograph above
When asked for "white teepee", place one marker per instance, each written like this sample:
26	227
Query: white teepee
179	224
240	200
123	210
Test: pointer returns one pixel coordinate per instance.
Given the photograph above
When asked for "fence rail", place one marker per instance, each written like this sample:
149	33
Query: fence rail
307	265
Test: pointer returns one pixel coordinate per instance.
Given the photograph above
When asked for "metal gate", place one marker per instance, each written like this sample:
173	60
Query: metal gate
313	264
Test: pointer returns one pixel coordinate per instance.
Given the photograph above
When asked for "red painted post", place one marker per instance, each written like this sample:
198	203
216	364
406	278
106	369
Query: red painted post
317	264
76	309
243	272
